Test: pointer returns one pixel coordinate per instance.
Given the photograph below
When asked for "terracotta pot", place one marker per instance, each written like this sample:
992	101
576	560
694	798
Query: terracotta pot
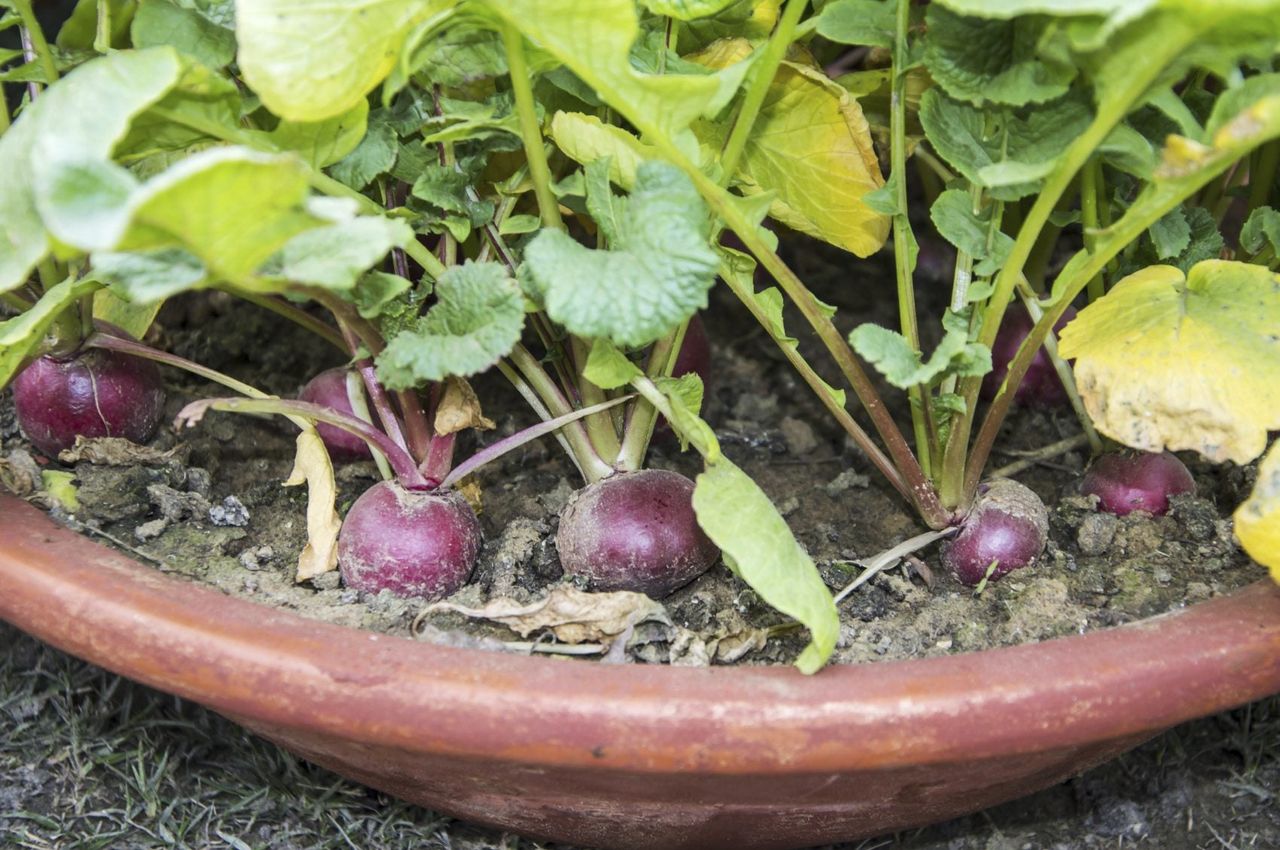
637	756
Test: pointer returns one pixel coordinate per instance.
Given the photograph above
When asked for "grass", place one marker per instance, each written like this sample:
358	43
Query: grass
90	761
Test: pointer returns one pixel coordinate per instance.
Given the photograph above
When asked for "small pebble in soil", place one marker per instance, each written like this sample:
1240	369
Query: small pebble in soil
176	506
798	435
1096	533
231	512
151	529
331	580
846	480
255	558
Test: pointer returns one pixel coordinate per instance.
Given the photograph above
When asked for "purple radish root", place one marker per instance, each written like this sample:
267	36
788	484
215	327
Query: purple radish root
1041	386
411	542
329	389
92	393
1007	527
635	531
1128	481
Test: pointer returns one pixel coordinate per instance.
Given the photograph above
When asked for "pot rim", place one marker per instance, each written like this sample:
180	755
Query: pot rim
266	665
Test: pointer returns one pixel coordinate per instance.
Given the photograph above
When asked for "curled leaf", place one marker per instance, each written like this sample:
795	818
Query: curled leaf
572	615
312	467
459	409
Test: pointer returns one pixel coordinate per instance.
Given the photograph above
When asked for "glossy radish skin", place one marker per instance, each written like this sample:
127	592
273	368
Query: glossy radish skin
94	393
412	542
635	531
1041	386
1008	524
1128	481
329	388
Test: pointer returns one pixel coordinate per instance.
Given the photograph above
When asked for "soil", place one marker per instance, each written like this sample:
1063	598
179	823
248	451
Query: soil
212	507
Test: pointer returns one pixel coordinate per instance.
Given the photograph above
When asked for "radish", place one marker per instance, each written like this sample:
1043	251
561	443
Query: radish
1128	481
635	531
1041	386
1005	530
695	353
329	389
91	393
410	542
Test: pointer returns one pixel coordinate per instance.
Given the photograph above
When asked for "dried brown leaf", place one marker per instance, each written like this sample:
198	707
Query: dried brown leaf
572	615
460	409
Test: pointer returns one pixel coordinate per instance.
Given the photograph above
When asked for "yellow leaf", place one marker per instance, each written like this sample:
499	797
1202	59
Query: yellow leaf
811	146
1258	519
1167	360
585	138
312	467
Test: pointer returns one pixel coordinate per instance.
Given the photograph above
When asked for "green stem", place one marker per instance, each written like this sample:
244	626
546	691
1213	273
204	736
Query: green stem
1263	175
31	24
644	416
530	131
1091	195
593	467
102	37
762	77
539	408
903	238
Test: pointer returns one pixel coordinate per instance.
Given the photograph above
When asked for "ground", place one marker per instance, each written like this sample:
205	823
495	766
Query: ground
90	761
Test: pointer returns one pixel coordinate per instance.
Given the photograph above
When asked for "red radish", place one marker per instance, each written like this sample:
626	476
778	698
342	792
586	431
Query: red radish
1128	481
1041	386
91	393
329	389
635	531
1005	530
411	542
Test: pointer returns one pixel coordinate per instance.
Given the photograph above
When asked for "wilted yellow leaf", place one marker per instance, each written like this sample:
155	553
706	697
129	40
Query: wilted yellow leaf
811	146
459	409
312	467
1175	361
1258	519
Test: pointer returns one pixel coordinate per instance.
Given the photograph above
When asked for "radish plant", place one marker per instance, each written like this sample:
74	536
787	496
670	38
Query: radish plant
557	186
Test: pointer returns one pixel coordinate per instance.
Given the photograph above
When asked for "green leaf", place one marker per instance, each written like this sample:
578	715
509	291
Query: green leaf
600	200
21	336
334	256
311	61
1171	234
323	142
132	318
1183	361
201	109
461	54
869	22
79	120
608	367
374	155
739	518
594	40
687	10
476	322
376	290
656	274
160	22
902	366
1235	100
953	216
80	30
983	61
149	277
684	398
1261	229
1012	152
